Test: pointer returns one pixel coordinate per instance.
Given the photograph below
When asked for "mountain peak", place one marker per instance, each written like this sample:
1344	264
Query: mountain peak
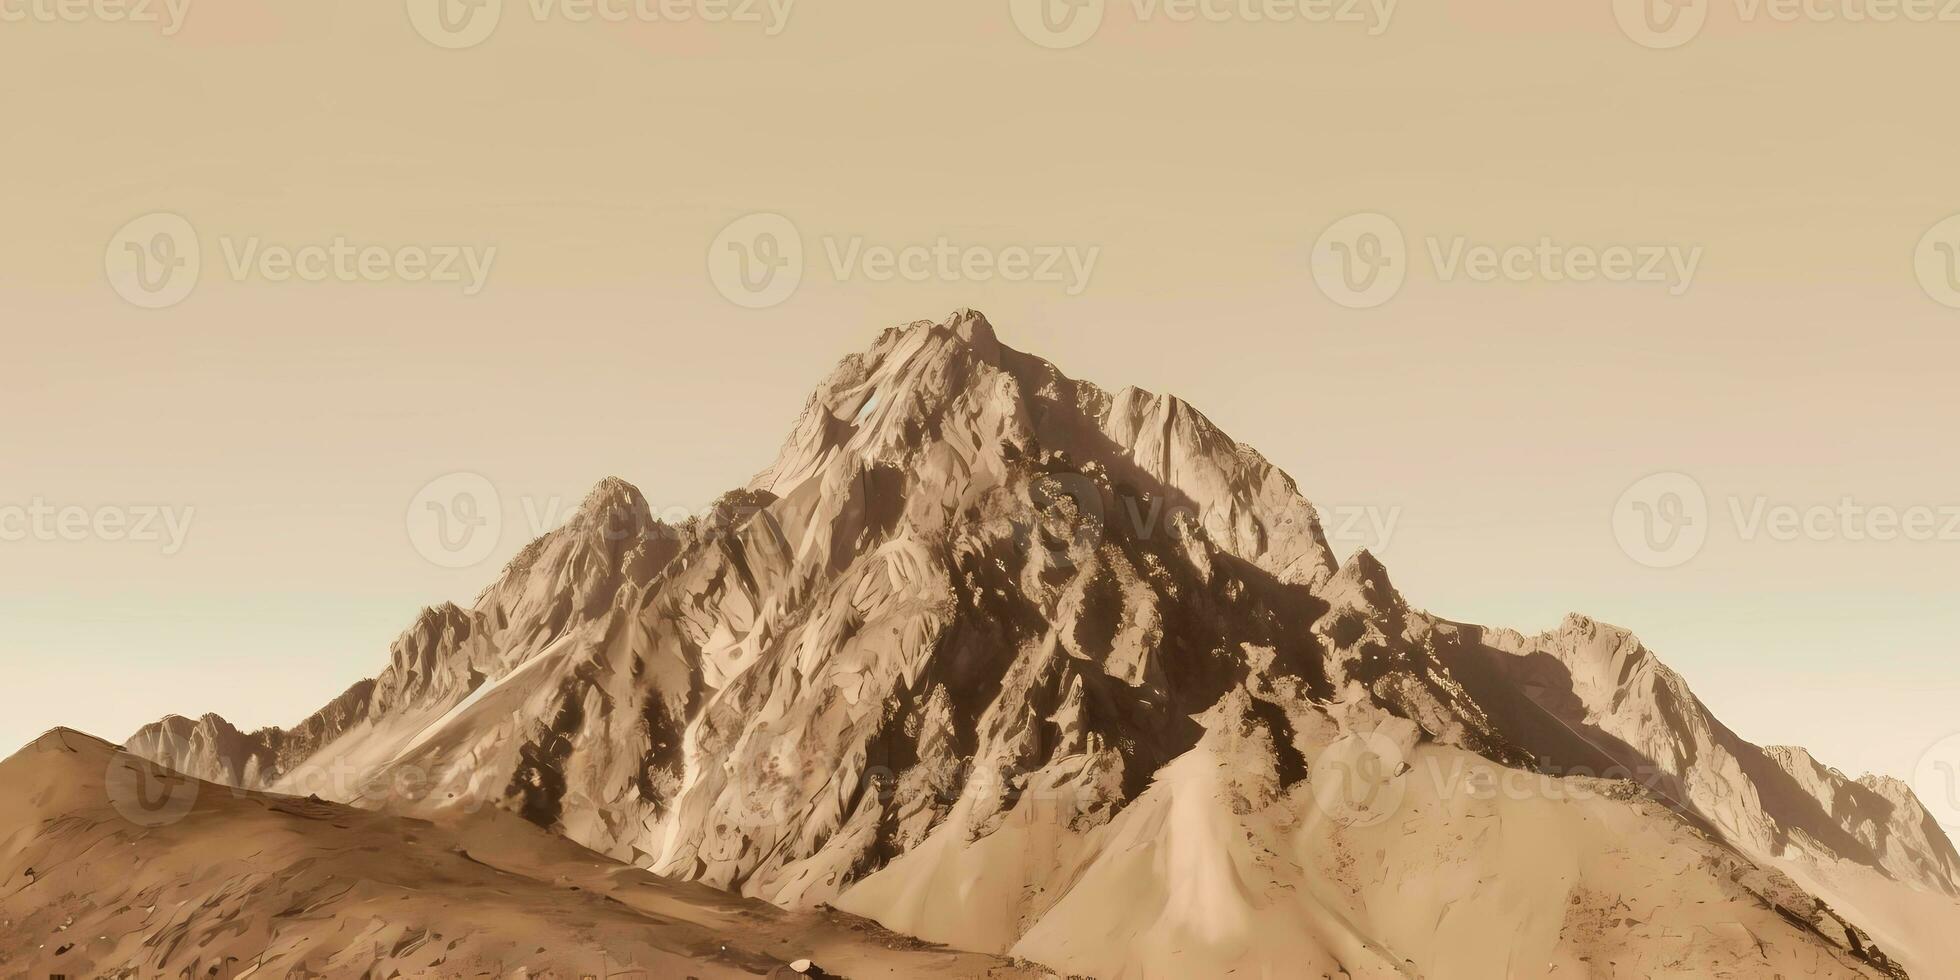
611	494
1363	580
62	739
973	327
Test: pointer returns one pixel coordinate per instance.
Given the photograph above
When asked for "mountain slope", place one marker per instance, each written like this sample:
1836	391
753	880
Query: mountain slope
115	868
1771	802
980	623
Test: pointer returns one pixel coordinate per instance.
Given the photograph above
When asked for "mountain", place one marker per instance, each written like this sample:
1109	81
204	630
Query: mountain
1007	661
116	868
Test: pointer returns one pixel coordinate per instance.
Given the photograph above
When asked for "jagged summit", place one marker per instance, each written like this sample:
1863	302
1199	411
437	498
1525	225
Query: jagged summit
973	327
611	500
1009	661
1366	572
949	395
612	487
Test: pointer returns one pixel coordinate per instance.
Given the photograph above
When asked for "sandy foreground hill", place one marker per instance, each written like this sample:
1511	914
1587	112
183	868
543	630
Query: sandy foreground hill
115	867
1006	661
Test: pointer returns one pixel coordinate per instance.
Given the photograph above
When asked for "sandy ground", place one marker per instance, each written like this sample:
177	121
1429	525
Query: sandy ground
1919	928
111	867
1457	868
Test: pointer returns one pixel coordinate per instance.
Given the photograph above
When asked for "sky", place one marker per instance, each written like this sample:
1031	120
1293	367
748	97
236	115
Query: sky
1646	299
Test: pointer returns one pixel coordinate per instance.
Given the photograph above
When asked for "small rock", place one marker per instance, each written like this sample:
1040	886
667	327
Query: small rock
804	967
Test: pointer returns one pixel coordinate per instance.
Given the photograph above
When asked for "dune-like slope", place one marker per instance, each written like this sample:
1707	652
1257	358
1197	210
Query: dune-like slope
114	867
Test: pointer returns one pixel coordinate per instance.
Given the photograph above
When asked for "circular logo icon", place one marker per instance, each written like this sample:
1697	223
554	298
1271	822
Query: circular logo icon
757	261
1661	24
1058	24
1357	780
154	261
455	24
456	520
147	794
1361	260
1065	517
1936	781
778	783
1937	262
1662	521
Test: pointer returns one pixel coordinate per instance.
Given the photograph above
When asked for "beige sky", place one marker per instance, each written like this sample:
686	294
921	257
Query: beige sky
1495	423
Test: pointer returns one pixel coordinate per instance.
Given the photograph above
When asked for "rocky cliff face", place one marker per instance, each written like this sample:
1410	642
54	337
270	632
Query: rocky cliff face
984	639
